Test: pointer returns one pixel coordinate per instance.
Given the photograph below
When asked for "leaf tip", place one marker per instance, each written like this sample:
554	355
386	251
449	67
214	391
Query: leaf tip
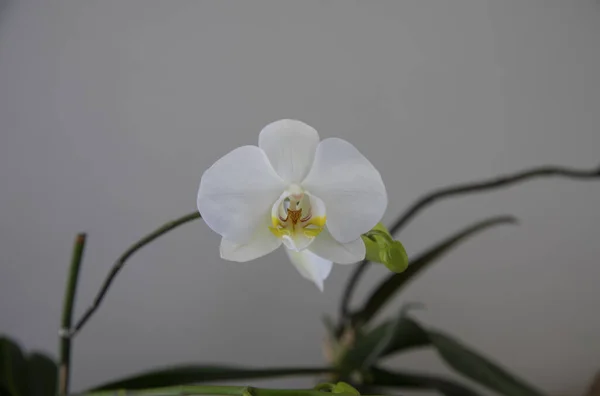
508	219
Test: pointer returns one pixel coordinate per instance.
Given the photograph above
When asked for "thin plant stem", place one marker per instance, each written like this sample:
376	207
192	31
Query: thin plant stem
67	315
120	263
456	190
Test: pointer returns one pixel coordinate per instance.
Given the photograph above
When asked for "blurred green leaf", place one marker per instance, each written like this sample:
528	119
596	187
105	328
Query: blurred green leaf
13	373
42	375
476	367
396	282
384	378
405	334
33	375
382	248
182	375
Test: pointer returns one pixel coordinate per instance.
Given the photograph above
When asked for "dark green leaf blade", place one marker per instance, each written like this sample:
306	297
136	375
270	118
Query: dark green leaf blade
396	282
478	368
13	373
473	365
42	375
406	335
182	375
384	378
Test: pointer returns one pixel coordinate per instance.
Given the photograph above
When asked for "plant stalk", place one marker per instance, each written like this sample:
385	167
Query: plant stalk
120	263
456	190
67	315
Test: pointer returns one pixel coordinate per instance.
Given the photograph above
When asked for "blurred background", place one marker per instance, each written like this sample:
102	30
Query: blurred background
111	110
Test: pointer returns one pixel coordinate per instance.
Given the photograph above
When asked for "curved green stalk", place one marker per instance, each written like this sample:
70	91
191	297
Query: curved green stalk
456	190
120	263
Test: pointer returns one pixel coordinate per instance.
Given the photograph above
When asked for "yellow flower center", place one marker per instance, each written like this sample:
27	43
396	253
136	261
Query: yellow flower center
296	219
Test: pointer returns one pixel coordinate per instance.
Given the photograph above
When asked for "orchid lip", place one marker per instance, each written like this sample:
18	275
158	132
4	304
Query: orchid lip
297	218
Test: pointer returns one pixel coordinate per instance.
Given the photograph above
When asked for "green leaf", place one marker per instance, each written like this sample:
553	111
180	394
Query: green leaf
384	378
382	248
404	333
182	375
475	366
397	335
13	373
396	282
478	368
42	375
33	375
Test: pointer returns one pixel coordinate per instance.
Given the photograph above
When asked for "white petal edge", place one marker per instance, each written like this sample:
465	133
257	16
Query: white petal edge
263	242
327	247
311	266
351	187
290	146
237	191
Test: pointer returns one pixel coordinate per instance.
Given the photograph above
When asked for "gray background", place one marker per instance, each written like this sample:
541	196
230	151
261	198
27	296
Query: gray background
111	110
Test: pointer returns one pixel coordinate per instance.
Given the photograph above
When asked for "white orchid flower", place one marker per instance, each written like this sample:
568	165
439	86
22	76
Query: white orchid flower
315	198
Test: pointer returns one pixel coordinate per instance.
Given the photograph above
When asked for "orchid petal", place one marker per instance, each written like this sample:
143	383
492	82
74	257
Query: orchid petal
310	266
327	247
350	186
236	193
262	243
290	146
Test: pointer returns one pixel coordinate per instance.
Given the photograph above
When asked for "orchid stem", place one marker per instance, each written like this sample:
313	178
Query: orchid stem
460	189
67	315
120	263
